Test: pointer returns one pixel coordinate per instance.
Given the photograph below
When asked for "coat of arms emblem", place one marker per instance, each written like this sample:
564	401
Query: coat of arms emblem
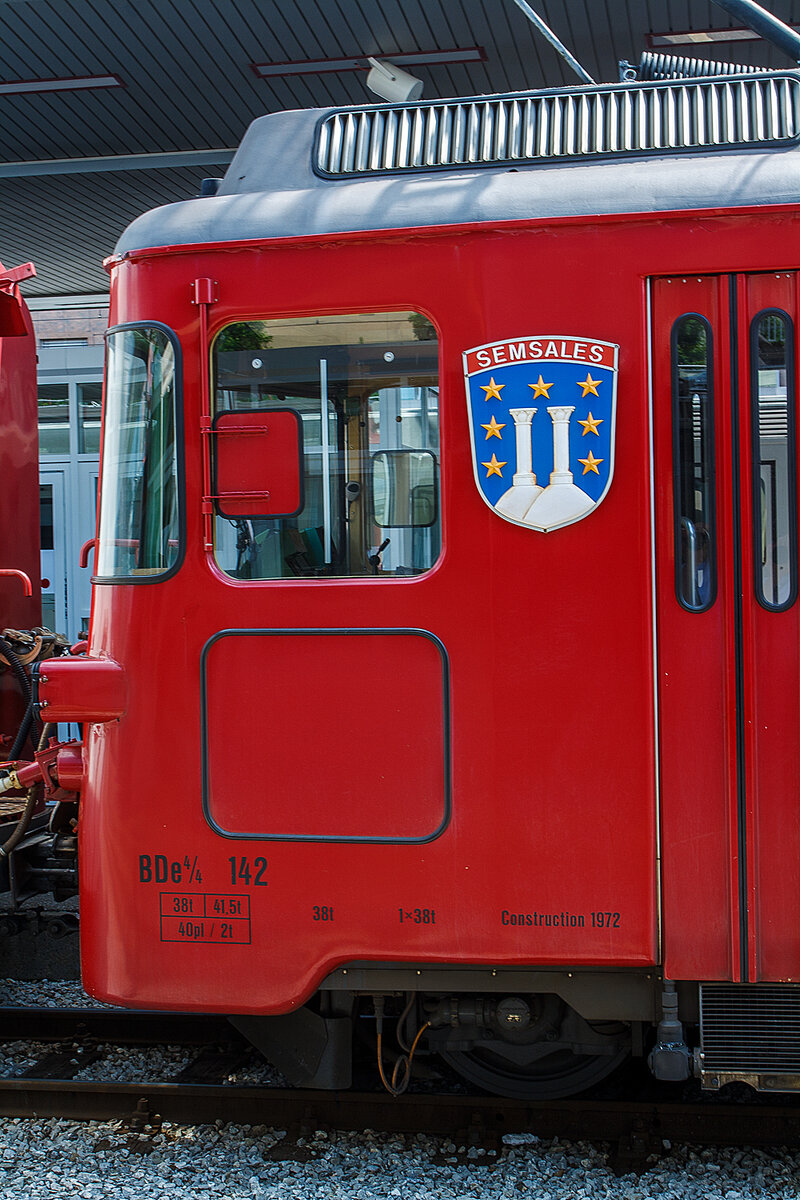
542	412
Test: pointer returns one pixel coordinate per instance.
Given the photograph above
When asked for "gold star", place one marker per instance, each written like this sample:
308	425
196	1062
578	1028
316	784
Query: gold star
494	467
540	388
493	428
590	425
589	385
590	463
492	389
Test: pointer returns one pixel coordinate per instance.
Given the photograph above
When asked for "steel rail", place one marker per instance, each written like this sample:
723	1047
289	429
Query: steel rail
636	1128
126	1026
476	1119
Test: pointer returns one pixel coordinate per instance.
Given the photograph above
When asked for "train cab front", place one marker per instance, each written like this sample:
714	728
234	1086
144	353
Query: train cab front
399	638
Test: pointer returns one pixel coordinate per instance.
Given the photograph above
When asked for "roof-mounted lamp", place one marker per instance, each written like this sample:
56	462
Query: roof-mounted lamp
388	81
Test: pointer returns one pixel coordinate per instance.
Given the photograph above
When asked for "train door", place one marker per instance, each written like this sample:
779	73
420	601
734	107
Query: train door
326	469
728	629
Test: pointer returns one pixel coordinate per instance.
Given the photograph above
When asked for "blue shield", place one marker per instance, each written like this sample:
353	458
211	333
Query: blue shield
542	411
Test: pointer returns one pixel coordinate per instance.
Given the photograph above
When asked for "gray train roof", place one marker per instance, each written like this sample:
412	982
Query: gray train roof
629	148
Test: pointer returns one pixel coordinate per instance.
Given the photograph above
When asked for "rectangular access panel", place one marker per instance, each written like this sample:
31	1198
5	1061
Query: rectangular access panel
317	769
729	637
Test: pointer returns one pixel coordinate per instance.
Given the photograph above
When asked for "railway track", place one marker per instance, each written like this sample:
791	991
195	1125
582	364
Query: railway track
69	1040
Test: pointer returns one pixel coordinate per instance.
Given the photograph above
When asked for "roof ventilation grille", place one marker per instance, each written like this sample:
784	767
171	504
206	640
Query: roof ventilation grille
658	118
675	66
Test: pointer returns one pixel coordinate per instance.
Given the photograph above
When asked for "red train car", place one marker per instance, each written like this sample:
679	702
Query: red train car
19	455
20	593
444	653
20	604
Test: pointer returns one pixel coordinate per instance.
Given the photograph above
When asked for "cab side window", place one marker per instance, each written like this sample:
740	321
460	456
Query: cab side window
344	480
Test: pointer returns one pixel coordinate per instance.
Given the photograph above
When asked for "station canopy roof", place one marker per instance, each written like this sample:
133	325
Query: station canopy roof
110	107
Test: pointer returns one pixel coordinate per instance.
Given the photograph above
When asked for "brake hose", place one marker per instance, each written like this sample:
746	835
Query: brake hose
22	733
30	717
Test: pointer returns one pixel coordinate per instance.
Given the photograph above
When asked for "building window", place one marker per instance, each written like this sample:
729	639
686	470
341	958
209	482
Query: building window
53	419
69	418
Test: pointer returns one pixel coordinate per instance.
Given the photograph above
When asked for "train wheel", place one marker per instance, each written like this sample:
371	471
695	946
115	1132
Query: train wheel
561	1073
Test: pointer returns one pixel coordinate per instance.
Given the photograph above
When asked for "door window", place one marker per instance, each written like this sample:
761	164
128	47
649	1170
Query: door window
693	449
53	538
774	471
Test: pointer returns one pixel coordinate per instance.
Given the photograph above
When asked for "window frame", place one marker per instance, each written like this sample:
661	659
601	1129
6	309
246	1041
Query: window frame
332	313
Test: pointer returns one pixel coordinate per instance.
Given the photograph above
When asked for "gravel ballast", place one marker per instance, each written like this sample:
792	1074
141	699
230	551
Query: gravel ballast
60	1158
47	993
63	1158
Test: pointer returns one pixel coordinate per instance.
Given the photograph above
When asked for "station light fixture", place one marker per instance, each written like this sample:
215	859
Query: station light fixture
323	66
703	37
19	87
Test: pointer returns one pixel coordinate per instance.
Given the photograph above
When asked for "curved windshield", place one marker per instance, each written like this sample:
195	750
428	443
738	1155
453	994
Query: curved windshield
139	494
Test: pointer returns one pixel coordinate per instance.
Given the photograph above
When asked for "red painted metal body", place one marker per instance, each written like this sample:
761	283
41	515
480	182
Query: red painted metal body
20	605
558	715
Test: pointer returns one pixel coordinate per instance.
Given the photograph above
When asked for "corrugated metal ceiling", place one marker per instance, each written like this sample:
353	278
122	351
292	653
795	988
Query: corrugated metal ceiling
188	84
